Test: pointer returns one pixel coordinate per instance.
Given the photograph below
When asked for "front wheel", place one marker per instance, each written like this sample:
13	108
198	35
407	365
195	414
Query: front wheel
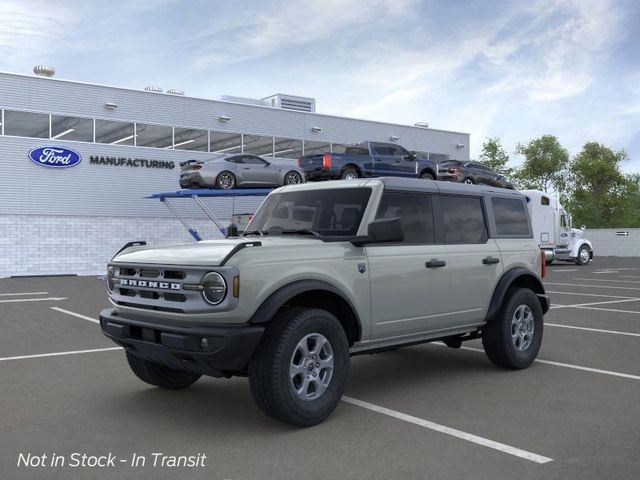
300	368
159	375
427	176
225	180
584	255
468	181
292	178
512	339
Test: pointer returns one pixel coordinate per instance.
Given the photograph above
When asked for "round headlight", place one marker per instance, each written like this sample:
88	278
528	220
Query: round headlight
111	272
214	288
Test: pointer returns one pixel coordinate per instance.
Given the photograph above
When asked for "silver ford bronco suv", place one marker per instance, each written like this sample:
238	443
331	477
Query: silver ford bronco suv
329	270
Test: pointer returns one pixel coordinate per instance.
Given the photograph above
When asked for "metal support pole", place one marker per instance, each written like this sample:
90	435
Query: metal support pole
194	233
209	214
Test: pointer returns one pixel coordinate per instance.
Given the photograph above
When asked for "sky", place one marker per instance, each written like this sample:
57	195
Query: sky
509	69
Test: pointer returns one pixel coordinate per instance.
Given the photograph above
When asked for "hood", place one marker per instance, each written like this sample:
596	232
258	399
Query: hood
201	253
206	253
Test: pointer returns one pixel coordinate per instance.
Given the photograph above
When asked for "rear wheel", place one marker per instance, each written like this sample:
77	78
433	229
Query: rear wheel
225	180
427	176
300	368
468	181
292	178
349	173
584	255
512	339
159	375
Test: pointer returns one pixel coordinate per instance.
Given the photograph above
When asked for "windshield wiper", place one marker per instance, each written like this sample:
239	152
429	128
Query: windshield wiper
301	231
254	232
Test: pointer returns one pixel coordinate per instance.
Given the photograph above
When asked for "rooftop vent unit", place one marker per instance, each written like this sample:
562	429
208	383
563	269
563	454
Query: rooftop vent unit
153	88
244	100
44	71
291	102
175	91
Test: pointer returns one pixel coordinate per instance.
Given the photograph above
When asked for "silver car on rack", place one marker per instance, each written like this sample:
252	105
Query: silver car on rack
242	170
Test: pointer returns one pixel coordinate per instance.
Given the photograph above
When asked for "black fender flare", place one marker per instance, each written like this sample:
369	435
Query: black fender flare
508	278
280	297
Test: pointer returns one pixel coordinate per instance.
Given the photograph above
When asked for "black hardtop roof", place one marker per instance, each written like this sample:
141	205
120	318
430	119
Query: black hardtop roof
422	185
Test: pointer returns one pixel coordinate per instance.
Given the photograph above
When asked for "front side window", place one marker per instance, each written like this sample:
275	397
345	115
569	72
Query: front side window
26	124
511	217
328	212
414	209
463	219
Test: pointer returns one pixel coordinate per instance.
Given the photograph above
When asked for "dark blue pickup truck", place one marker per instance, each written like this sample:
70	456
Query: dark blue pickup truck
368	159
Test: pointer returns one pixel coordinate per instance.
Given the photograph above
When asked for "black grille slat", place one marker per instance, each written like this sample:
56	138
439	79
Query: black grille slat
148	273
174	275
174	297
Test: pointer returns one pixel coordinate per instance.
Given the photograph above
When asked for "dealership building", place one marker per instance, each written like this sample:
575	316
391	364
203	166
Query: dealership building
127	144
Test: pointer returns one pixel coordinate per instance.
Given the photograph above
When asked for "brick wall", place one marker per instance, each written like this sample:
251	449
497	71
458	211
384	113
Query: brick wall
53	245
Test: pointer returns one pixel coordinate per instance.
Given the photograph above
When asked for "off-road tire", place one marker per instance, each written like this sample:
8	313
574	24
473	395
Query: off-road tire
579	260
220	177
497	334
269	368
348	173
159	375
427	176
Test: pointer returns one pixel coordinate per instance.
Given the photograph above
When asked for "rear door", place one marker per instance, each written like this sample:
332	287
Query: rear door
383	159
409	280
474	259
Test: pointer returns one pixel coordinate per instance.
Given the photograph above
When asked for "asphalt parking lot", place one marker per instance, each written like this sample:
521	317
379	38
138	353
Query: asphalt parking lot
425	412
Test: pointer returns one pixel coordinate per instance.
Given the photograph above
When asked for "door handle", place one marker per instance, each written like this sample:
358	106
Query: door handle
490	260
435	263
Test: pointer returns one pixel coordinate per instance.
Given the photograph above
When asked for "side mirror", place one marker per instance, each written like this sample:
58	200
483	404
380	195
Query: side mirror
411	156
232	231
383	230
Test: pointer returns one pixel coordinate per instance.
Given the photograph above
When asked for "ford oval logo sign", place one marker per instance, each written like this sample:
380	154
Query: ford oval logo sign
55	157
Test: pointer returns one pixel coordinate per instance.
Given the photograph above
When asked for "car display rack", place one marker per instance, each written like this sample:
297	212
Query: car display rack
196	195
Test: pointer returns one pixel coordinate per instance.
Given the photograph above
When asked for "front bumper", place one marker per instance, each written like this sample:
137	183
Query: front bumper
448	177
227	348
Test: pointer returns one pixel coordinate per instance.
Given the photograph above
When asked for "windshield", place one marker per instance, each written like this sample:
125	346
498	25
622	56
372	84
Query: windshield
326	212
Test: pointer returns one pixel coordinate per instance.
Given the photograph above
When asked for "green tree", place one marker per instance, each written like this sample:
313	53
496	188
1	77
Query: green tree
545	164
602	196
495	157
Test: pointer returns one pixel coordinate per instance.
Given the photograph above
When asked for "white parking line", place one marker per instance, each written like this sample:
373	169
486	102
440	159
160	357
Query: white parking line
565	365
592	286
629	276
607	280
598	330
578	305
610	310
568	270
48	299
485	442
58	354
586	294
25	293
62	310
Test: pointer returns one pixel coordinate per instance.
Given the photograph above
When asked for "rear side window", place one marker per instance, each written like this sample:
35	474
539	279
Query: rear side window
511	217
414	209
357	151
463	219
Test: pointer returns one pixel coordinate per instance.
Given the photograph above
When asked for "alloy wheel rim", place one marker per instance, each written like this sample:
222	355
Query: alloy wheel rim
350	176
226	181
311	367
468	181
293	178
584	255
522	327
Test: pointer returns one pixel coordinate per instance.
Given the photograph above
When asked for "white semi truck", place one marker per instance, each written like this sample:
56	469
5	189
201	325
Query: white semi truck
553	230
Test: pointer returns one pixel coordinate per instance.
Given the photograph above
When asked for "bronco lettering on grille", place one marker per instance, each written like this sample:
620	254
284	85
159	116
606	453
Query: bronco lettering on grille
147	284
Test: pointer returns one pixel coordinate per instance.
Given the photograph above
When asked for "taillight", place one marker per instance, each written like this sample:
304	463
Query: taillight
326	160
543	267
196	167
454	169
299	162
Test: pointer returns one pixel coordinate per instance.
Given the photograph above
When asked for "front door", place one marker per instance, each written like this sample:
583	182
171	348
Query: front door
409	280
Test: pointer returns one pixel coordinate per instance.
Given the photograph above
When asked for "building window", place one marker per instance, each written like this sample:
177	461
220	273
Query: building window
157	136
316	148
71	128
438	157
287	148
225	143
115	133
26	124
190	139
258	145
